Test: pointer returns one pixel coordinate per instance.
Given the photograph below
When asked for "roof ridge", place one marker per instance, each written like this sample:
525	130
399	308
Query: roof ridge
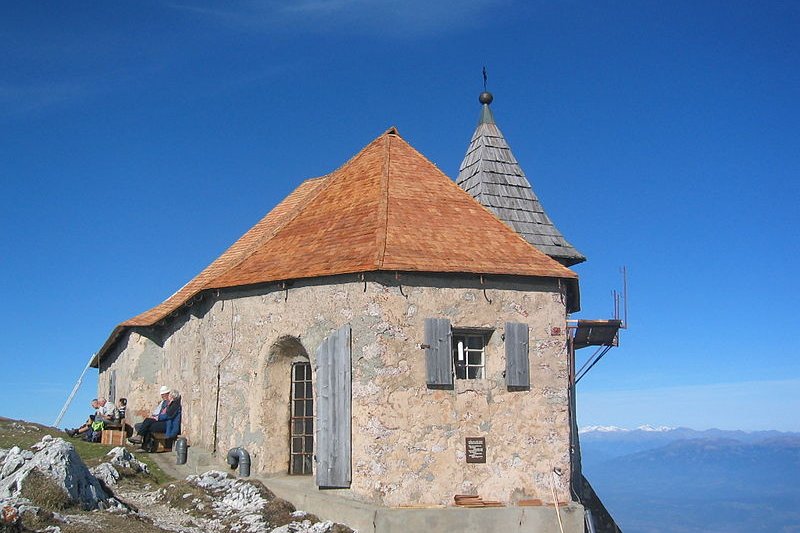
496	220
208	284
383	200
390	131
298	209
294	212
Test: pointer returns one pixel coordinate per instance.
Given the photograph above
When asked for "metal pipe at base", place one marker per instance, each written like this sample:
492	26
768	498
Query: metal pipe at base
239	457
181	450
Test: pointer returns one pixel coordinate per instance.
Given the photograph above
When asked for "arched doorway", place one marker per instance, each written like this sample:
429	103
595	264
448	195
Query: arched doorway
290	371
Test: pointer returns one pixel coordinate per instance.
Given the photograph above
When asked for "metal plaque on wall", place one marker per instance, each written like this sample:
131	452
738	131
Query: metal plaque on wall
476	449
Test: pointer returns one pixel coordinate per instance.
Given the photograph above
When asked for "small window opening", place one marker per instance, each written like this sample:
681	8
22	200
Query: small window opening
469	354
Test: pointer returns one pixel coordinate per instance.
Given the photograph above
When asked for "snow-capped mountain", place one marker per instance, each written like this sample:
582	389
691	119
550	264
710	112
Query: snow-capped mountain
648	427
601	429
605	442
612	429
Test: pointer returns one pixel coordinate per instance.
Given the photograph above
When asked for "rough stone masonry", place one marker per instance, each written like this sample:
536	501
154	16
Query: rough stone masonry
408	441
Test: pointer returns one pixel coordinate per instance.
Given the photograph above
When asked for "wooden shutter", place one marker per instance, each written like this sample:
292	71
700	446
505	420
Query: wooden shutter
112	386
334	385
438	353
517	364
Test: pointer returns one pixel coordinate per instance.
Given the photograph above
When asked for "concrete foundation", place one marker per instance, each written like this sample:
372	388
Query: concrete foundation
339	506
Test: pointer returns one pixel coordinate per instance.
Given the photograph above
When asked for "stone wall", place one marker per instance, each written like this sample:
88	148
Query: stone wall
408	441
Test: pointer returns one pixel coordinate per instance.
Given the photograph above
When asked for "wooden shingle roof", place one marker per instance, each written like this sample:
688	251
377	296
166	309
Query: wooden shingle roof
386	209
492	175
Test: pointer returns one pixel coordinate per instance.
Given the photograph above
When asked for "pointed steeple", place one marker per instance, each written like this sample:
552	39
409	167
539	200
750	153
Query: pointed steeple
492	175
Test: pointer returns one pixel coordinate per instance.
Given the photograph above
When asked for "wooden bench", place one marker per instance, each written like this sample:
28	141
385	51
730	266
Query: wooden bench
115	434
162	443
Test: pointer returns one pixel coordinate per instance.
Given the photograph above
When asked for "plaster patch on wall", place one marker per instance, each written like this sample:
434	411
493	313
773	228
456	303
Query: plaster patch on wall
365	389
377	429
388	330
340	296
373	351
516	308
452	312
149	363
252	437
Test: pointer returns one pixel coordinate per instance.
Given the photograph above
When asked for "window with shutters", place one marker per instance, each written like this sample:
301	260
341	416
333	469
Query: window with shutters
516	339
469	354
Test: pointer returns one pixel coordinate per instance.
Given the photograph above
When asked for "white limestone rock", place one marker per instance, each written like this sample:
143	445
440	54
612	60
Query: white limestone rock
106	473
122	457
56	459
119	458
239	504
305	527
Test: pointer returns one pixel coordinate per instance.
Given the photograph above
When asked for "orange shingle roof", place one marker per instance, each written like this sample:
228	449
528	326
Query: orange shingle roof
388	208
256	236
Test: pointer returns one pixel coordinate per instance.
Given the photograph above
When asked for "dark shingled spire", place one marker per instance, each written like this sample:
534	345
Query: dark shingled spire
491	174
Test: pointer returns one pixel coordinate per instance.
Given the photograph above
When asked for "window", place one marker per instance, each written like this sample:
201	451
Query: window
453	353
302	421
469	359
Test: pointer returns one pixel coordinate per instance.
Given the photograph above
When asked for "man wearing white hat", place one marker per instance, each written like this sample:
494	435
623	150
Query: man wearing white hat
143	427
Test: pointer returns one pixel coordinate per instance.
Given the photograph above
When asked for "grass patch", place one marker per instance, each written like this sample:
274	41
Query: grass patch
182	495
36	520
157	476
19	433
44	492
48	496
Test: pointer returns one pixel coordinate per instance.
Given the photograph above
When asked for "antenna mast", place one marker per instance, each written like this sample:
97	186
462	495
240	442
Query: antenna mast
72	394
621	301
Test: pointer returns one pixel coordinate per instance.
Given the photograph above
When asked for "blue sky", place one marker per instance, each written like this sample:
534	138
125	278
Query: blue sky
139	140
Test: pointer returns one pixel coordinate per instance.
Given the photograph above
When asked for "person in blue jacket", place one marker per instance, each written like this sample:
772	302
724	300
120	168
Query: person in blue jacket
167	420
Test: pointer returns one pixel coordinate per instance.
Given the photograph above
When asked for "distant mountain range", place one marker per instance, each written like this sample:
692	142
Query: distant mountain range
660	479
612	429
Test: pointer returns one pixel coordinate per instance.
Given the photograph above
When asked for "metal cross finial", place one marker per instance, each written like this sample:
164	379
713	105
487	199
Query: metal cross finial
485	97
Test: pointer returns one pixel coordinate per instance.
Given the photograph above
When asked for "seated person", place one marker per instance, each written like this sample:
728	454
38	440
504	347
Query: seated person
106	411
159	408
119	415
106	414
167	421
81	431
122	407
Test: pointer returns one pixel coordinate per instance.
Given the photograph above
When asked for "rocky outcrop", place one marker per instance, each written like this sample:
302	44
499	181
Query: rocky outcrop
213	501
120	460
244	506
57	460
